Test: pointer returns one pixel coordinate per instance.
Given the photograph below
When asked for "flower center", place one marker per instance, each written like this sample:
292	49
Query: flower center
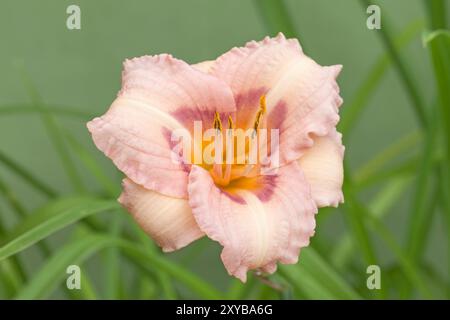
236	151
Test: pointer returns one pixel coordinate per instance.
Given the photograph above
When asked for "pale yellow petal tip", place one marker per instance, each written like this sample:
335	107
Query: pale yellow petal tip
167	220
204	66
337	69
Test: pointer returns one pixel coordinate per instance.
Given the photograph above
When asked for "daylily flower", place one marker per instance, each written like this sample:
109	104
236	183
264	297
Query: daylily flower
259	219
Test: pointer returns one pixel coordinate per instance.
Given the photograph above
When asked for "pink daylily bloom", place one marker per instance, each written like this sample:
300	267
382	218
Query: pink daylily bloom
259	219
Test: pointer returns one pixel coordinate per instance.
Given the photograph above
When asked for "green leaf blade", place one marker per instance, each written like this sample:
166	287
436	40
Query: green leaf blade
49	225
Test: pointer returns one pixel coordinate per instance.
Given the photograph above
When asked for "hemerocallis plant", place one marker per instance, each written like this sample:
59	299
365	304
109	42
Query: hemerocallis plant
262	212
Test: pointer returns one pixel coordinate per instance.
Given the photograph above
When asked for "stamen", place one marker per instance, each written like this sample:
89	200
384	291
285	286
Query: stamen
262	103
217	122
262	110
217	171
230	123
229	152
223	173
258	118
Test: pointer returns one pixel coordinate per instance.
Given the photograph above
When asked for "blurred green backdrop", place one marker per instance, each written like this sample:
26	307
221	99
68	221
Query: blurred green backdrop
64	77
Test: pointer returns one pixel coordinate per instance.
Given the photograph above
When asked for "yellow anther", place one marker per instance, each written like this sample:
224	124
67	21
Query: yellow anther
230	123
262	104
262	110
217	123
258	118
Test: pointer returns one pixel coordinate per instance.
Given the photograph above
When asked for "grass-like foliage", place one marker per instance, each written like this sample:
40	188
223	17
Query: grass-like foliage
87	227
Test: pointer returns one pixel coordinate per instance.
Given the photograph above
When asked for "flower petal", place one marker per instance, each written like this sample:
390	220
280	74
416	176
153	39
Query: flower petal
159	94
169	221
302	97
323	168
257	226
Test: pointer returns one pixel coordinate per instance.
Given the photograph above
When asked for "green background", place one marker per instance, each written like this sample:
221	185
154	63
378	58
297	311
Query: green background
79	70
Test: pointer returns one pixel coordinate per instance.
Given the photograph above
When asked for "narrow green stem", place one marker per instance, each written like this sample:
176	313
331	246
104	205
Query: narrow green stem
419	222
354	218
444	189
53	130
276	17
11	199
409	268
15	267
110	186
437	13
439	45
397	148
163	279
112	260
27	176
403	71
366	89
